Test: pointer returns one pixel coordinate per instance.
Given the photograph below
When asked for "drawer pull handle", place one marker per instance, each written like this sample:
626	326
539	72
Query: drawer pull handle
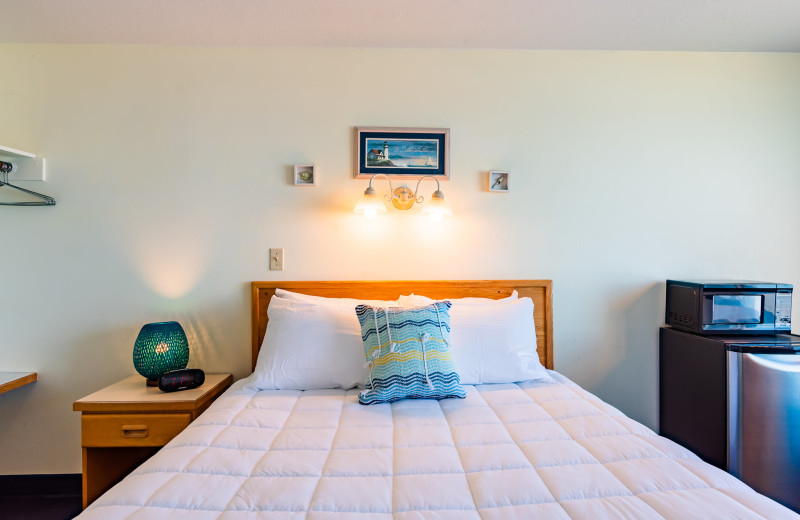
134	431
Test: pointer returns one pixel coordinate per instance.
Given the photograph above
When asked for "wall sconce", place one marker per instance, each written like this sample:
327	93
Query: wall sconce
403	199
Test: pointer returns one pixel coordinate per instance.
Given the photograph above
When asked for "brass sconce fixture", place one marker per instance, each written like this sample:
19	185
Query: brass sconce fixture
403	199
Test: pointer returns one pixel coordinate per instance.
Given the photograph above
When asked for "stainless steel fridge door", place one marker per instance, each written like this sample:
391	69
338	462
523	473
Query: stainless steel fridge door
764	423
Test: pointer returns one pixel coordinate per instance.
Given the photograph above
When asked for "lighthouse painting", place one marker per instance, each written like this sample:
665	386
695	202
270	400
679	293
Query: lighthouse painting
403	153
400	152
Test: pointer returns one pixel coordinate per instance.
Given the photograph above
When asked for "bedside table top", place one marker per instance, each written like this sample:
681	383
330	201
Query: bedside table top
131	394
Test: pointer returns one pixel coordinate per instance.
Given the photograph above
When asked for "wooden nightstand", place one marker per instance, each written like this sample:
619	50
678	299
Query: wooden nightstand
124	424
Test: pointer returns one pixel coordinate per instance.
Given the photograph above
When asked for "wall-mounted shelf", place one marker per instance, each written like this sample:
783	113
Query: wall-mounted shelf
30	167
12	380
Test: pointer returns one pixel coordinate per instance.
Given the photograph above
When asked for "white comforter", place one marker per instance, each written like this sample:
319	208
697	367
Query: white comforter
541	449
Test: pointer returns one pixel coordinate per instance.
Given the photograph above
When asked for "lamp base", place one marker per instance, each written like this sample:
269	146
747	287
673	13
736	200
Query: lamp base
151	382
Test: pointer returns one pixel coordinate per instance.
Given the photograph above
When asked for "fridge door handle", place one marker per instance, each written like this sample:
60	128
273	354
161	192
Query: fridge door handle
779	362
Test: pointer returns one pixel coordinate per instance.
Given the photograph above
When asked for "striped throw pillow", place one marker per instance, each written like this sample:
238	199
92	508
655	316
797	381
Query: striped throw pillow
408	353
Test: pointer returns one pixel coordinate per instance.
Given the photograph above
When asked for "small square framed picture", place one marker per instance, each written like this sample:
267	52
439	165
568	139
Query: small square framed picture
498	181
305	175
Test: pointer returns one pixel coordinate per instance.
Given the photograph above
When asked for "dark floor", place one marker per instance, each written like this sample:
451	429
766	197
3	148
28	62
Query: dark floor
40	507
40	497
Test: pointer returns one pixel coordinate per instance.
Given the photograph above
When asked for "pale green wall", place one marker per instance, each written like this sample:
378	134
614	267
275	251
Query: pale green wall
171	167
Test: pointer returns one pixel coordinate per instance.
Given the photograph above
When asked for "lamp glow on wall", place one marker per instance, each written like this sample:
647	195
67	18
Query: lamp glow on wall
403	199
159	348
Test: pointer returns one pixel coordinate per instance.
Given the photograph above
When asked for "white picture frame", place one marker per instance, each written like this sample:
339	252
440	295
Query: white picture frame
305	175
499	181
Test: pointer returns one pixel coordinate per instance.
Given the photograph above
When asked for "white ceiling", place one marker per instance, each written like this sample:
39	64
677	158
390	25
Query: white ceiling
673	25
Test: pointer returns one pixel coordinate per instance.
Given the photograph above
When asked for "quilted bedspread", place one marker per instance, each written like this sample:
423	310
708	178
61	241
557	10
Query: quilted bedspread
542	449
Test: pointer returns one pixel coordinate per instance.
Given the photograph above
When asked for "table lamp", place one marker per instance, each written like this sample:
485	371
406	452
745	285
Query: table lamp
159	348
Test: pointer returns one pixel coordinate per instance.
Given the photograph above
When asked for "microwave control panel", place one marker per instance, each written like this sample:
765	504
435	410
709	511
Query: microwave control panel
783	311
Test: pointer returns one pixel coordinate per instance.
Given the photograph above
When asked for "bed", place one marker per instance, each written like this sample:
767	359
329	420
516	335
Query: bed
543	448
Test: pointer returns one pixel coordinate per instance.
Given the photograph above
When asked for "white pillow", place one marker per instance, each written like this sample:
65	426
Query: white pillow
308	346
494	342
417	300
321	300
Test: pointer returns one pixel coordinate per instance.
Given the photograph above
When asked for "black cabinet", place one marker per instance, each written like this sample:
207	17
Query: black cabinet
693	394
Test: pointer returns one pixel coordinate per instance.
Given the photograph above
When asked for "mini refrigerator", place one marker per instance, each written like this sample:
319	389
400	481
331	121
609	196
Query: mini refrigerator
735	402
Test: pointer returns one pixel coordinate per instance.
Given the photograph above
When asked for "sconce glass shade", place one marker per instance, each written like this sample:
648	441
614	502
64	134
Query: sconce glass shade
436	208
159	348
370	204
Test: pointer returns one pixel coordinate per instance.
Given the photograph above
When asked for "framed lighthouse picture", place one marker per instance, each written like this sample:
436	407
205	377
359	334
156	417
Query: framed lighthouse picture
403	153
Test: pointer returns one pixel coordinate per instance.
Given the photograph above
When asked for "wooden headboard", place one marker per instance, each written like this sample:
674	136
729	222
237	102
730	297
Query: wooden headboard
540	291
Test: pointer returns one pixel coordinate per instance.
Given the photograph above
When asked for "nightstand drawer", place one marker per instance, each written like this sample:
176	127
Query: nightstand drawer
123	430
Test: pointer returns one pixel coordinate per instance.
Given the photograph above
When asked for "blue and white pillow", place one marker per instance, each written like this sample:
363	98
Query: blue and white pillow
408	353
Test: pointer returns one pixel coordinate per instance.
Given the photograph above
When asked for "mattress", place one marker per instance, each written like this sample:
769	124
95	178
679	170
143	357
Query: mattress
541	449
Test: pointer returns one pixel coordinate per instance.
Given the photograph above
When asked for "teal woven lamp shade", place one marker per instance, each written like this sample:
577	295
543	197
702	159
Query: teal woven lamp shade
159	348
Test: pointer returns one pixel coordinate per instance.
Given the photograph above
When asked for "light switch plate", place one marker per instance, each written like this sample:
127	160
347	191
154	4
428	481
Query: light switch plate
276	259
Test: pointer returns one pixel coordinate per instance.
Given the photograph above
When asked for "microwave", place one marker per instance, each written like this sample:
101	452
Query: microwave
729	307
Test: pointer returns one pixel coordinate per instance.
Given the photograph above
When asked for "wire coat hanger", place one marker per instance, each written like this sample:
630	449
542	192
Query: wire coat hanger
5	169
